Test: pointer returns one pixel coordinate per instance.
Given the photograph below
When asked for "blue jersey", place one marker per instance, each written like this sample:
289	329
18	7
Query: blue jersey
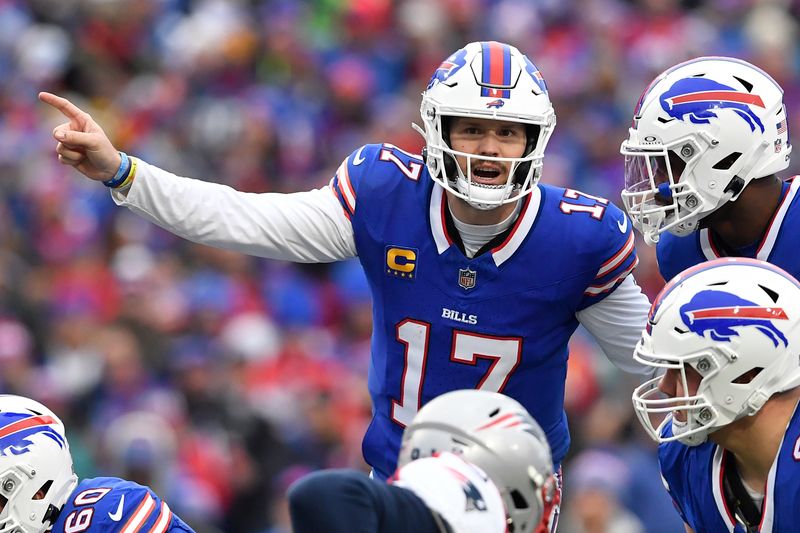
693	476
777	246
500	321
113	504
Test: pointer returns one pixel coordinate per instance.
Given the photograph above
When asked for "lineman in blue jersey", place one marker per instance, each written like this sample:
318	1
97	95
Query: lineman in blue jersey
707	138
479	274
39	491
471	462
727	333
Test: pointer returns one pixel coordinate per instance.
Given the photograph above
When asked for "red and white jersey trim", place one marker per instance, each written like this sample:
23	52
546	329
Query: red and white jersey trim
716	487
436	212
711	251
521	228
777	221
594	290
617	259
140	515
504	251
164	518
346	187
768	508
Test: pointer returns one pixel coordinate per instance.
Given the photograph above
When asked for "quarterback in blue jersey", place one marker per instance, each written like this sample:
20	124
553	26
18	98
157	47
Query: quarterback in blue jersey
39	491
727	334
479	274
707	139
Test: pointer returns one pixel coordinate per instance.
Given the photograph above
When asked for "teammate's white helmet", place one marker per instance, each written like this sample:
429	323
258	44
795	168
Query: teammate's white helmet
34	457
496	434
701	132
735	321
486	80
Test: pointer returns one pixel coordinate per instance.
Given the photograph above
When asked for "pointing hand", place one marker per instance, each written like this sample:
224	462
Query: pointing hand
82	143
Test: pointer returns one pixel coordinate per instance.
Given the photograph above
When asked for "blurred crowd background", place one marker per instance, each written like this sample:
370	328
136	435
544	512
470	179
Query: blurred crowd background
216	378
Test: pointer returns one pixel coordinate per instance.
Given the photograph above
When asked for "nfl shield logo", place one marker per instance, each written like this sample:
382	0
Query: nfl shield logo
466	278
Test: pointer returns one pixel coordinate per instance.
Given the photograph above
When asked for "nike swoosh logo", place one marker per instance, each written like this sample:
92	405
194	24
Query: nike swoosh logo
117	516
358	159
623	226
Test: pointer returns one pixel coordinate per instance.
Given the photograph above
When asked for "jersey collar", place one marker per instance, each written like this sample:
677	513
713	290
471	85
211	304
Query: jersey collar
514	236
712	249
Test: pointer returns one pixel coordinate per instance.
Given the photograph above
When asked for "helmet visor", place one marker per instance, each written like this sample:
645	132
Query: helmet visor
648	174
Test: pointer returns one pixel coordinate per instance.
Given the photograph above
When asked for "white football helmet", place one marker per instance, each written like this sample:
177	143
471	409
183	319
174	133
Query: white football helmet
496	434
34	457
486	80
736	322
701	132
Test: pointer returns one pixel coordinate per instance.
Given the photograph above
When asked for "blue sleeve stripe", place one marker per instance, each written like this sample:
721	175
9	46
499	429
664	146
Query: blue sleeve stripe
618	258
597	289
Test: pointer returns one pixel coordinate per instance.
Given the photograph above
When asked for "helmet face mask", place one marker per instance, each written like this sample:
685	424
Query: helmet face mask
496	434
728	333
724	120
492	81
36	474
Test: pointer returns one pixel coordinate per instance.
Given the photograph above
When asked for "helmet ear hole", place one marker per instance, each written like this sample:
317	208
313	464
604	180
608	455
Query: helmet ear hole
748	376
42	492
519	500
727	162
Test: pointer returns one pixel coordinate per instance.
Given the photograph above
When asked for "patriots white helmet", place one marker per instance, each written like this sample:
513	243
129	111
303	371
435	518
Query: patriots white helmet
728	331
701	132
36	475
496	434
486	80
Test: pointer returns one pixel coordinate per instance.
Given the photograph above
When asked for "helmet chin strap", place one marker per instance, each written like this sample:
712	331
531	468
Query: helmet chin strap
483	197
693	439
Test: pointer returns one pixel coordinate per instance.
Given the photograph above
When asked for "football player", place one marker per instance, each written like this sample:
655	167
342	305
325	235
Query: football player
727	335
40	492
479	273
707	139
471	462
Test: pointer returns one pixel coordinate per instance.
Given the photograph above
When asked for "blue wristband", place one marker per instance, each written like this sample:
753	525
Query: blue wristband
122	172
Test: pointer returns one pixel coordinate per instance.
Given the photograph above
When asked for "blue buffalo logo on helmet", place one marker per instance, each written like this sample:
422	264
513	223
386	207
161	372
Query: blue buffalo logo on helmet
699	98
534	73
719	312
496	103
449	66
16	428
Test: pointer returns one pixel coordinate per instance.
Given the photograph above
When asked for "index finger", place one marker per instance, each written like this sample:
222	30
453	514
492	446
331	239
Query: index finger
69	109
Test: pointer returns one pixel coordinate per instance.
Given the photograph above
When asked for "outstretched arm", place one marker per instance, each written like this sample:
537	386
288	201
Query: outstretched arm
82	143
305	227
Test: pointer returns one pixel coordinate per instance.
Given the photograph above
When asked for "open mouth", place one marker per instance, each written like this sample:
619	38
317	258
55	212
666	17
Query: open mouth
485	175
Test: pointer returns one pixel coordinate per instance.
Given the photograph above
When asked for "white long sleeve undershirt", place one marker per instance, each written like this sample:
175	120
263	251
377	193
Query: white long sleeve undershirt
311	227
